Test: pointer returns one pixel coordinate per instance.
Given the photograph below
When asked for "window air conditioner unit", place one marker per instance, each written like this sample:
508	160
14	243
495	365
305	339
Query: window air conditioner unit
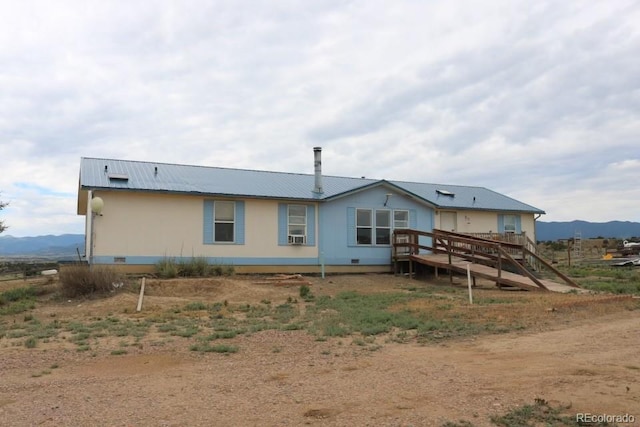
297	240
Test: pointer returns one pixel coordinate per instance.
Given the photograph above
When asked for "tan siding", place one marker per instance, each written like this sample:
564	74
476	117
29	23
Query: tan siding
139	224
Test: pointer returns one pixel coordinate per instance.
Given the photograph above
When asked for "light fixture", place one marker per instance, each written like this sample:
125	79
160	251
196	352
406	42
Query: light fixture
96	205
387	199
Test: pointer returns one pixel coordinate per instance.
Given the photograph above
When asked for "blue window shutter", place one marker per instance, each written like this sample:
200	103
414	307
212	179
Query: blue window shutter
518	224
239	231
311	225
351	226
413	219
207	225
282	224
500	223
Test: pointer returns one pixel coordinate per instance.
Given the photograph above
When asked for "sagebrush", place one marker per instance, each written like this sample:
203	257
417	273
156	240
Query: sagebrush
79	280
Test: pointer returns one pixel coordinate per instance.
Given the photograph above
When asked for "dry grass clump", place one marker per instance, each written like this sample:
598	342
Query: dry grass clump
80	280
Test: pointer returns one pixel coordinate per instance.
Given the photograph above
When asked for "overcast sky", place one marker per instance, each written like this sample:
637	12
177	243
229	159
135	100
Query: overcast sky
537	100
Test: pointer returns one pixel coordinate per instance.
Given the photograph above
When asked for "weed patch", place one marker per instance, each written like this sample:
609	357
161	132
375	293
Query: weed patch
220	348
19	300
538	413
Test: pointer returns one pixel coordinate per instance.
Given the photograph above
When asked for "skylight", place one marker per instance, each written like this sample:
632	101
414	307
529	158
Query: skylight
445	193
118	177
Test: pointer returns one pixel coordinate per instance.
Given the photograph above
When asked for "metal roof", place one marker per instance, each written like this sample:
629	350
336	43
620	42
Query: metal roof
465	197
172	178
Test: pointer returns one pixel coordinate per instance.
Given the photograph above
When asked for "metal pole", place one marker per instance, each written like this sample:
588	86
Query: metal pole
91	235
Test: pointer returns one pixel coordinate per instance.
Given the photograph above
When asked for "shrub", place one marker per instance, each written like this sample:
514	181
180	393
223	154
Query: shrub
195	267
79	280
195	306
167	268
304	291
220	348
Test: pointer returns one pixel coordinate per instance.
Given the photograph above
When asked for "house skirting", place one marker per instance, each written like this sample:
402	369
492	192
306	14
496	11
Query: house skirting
270	269
137	264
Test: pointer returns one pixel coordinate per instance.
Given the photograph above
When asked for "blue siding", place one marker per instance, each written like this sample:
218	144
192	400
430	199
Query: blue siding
337	225
311	225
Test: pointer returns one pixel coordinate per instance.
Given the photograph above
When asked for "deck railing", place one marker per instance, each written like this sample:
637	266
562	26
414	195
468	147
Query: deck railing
475	249
521	239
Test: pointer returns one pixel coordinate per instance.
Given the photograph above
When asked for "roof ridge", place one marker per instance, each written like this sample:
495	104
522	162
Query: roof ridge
438	183
224	168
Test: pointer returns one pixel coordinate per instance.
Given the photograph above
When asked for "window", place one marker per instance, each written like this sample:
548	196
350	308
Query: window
297	223
363	226
383	227
224	221
509	223
400	219
375	226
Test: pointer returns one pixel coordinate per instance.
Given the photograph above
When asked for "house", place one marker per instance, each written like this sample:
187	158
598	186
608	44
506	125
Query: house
137	213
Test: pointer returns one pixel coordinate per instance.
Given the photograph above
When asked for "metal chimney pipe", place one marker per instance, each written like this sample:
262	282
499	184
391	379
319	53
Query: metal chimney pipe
317	165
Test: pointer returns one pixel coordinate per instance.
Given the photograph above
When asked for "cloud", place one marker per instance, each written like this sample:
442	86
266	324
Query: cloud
535	99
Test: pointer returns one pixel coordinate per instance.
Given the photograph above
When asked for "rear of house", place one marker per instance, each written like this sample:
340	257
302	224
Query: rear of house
260	221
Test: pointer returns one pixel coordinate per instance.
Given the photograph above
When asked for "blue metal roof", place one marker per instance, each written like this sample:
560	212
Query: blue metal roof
173	178
465	197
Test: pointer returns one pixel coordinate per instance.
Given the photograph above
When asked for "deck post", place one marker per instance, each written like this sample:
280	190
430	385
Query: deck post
450	261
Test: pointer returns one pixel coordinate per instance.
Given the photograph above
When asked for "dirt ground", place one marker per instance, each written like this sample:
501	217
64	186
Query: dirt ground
586	359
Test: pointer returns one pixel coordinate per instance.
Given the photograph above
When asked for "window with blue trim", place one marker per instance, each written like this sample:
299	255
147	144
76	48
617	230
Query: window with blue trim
364	226
510	224
224	221
375	226
297	224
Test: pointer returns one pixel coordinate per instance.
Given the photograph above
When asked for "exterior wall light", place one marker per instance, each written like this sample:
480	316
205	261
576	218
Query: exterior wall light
97	204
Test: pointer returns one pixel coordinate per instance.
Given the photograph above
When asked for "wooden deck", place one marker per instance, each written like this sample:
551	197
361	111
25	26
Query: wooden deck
506	263
501	278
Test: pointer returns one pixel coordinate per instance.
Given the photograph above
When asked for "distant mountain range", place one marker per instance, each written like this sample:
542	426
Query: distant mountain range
67	245
588	230
63	246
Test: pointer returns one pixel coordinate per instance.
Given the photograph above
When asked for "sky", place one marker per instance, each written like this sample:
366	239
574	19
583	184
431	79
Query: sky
536	100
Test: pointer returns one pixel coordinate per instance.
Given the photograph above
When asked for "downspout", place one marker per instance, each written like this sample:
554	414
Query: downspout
535	228
88	250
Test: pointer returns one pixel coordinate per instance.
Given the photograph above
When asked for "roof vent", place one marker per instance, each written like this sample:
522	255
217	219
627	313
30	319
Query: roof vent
445	193
118	177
